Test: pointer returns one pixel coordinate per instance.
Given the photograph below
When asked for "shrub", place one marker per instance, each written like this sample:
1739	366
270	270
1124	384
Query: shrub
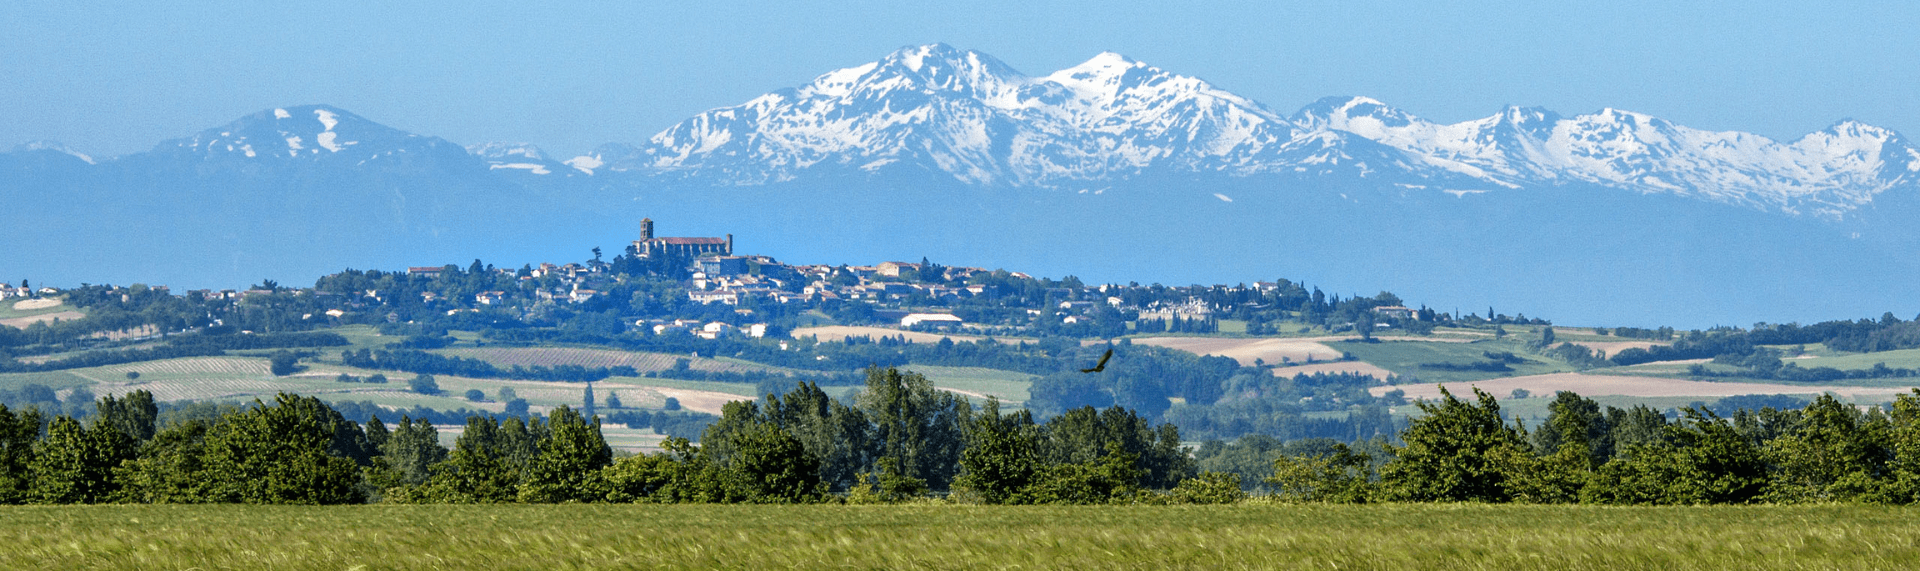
284	363
1209	488
475	395
423	383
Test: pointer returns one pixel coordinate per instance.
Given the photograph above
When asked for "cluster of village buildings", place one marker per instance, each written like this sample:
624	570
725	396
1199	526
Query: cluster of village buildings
11	291
719	276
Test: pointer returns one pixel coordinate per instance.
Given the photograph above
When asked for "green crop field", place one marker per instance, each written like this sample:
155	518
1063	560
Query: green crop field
54	379
1246	536
1010	386
1405	357
1901	359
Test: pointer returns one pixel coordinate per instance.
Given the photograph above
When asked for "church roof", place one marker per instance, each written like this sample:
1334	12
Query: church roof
689	240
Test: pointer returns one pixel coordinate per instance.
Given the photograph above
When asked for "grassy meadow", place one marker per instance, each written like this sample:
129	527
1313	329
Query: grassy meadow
1257	536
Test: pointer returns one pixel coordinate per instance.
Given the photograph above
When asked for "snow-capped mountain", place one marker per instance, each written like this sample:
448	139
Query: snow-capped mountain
969	116
1826	173
520	157
308	133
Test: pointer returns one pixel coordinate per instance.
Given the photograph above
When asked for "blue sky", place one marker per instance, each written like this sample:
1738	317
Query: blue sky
117	77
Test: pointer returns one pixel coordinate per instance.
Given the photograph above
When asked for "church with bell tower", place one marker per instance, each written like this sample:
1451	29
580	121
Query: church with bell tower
652	247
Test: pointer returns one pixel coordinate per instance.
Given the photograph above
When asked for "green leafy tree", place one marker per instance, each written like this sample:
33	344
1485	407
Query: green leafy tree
424	384
681	473
1250	457
643	478
567	468
1904	439
169	468
1209	488
75	465
1639	425
922	428
1002	457
1455	452
18	431
1837	454
1114	475
773	467
1333	474
1572	418
887	486
1084	434
281	454
283	363
134	415
522	440
1700	460
410	452
479	470
377	433
838	435
1575	441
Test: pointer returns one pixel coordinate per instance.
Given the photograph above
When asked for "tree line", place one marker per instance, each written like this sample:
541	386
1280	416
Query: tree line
899	439
1463	450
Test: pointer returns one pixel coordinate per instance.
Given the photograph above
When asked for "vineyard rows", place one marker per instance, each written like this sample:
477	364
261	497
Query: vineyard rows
196	366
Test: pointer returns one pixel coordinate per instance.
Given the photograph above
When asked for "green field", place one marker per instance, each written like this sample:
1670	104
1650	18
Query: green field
1246	536
8	312
1405	357
56	379
244	378
1009	386
1901	359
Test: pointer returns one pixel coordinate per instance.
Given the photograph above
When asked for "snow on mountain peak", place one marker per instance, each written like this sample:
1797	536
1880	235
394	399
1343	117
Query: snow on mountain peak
971	116
499	150
966	114
307	131
520	156
54	146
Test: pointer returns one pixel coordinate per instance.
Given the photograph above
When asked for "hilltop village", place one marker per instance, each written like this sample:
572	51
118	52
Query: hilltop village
701	286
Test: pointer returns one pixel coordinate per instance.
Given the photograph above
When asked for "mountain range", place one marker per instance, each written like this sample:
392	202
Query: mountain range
1113	170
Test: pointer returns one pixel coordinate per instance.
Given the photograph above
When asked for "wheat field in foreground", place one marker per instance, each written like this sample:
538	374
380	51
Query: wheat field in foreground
1246	536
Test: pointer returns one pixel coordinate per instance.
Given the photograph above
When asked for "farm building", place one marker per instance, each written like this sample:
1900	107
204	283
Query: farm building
936	319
